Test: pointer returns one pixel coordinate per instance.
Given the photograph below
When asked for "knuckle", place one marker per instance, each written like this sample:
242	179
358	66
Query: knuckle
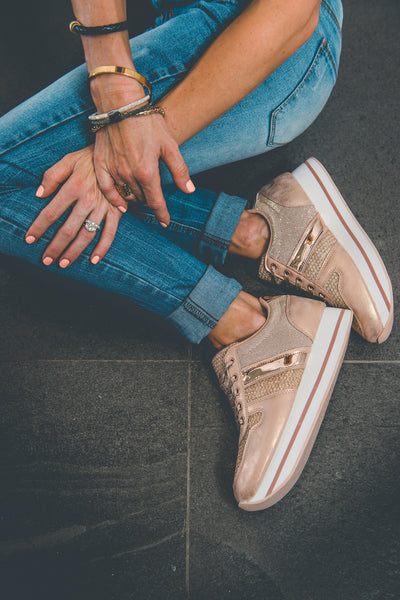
145	174
50	213
68	231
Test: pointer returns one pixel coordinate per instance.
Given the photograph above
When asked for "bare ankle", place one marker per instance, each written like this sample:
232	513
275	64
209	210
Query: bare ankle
244	317
251	236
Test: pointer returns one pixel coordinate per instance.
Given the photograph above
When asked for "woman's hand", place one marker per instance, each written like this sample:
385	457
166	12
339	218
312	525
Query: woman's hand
79	188
129	153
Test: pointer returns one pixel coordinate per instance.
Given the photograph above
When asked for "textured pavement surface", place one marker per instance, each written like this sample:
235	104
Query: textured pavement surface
118	449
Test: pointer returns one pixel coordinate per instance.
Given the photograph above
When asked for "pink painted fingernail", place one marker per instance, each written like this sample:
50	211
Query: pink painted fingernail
122	209
163	224
64	263
30	239
95	260
47	261
190	186
39	191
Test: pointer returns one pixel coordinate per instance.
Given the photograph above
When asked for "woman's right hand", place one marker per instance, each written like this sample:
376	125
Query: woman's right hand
129	152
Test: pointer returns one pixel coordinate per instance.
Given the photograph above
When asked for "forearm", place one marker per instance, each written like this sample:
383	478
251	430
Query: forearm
245	54
108	91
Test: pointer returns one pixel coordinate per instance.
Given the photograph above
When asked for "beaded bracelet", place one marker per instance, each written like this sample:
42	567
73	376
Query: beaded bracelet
117	116
107	69
77	27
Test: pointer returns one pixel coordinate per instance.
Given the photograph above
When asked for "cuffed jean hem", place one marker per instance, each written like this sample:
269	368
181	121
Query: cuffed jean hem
220	226
201	310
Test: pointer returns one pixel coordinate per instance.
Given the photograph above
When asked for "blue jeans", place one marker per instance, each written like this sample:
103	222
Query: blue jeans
169	272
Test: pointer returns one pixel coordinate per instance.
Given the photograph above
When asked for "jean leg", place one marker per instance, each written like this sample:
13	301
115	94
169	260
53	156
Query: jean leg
141	264
201	223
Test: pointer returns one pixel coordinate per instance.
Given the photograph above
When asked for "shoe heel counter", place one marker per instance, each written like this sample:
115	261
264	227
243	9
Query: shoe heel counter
284	190
304	314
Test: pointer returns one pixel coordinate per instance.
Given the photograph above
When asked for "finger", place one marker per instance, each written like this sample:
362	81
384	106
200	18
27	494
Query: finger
82	239
54	176
106	184
51	213
151	186
66	234
107	236
130	192
179	171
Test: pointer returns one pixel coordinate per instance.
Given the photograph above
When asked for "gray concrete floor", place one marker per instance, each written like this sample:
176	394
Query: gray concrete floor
118	448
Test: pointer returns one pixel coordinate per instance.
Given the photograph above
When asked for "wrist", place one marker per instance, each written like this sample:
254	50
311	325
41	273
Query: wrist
110	91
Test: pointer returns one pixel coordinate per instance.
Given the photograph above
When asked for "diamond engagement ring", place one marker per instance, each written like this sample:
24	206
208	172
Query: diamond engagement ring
91	226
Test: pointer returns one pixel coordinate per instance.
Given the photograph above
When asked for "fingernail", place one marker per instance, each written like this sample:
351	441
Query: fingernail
190	186
163	224
30	239
47	261
39	191
95	260
64	263
122	209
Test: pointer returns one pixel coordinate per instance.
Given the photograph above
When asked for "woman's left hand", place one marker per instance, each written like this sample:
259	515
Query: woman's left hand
79	188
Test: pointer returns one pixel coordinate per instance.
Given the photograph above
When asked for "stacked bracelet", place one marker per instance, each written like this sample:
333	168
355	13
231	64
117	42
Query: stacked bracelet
107	69
77	27
100	117
119	114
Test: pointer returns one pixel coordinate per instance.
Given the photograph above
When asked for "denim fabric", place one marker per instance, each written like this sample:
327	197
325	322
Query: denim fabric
159	269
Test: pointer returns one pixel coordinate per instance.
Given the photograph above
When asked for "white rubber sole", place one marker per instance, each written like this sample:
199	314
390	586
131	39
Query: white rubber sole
322	191
308	409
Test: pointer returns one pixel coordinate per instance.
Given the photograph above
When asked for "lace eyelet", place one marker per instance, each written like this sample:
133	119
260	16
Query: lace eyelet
273	267
321	295
298	281
287	273
241	420
234	378
236	391
239	406
310	288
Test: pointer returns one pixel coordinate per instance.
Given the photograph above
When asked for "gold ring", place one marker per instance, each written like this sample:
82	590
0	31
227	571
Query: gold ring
124	190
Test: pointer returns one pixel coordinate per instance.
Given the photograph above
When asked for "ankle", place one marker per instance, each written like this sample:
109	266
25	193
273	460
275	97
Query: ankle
244	317
251	236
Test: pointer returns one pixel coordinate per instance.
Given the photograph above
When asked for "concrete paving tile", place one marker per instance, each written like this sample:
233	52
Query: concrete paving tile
94	479
335	535
45	316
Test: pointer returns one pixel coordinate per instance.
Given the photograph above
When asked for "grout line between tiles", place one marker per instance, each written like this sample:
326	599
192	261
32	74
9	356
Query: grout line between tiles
371	362
187	550
162	360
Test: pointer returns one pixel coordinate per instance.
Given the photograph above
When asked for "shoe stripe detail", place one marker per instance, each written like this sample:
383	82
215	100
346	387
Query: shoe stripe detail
307	406
356	241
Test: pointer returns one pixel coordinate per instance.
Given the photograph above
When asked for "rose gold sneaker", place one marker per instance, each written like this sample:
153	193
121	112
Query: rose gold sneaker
279	381
318	245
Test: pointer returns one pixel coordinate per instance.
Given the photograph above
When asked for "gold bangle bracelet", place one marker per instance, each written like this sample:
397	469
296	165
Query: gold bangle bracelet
121	71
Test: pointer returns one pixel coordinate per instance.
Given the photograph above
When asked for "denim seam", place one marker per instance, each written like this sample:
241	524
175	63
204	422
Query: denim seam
105	261
174	226
203	233
332	14
321	49
194	309
28	139
215	240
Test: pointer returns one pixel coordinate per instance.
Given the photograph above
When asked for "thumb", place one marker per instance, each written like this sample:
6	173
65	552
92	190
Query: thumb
56	175
179	171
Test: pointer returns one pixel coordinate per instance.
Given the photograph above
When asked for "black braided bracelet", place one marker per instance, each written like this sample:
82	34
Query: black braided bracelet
77	27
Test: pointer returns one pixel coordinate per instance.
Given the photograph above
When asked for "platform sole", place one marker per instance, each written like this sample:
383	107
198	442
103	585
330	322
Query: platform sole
322	191
308	409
